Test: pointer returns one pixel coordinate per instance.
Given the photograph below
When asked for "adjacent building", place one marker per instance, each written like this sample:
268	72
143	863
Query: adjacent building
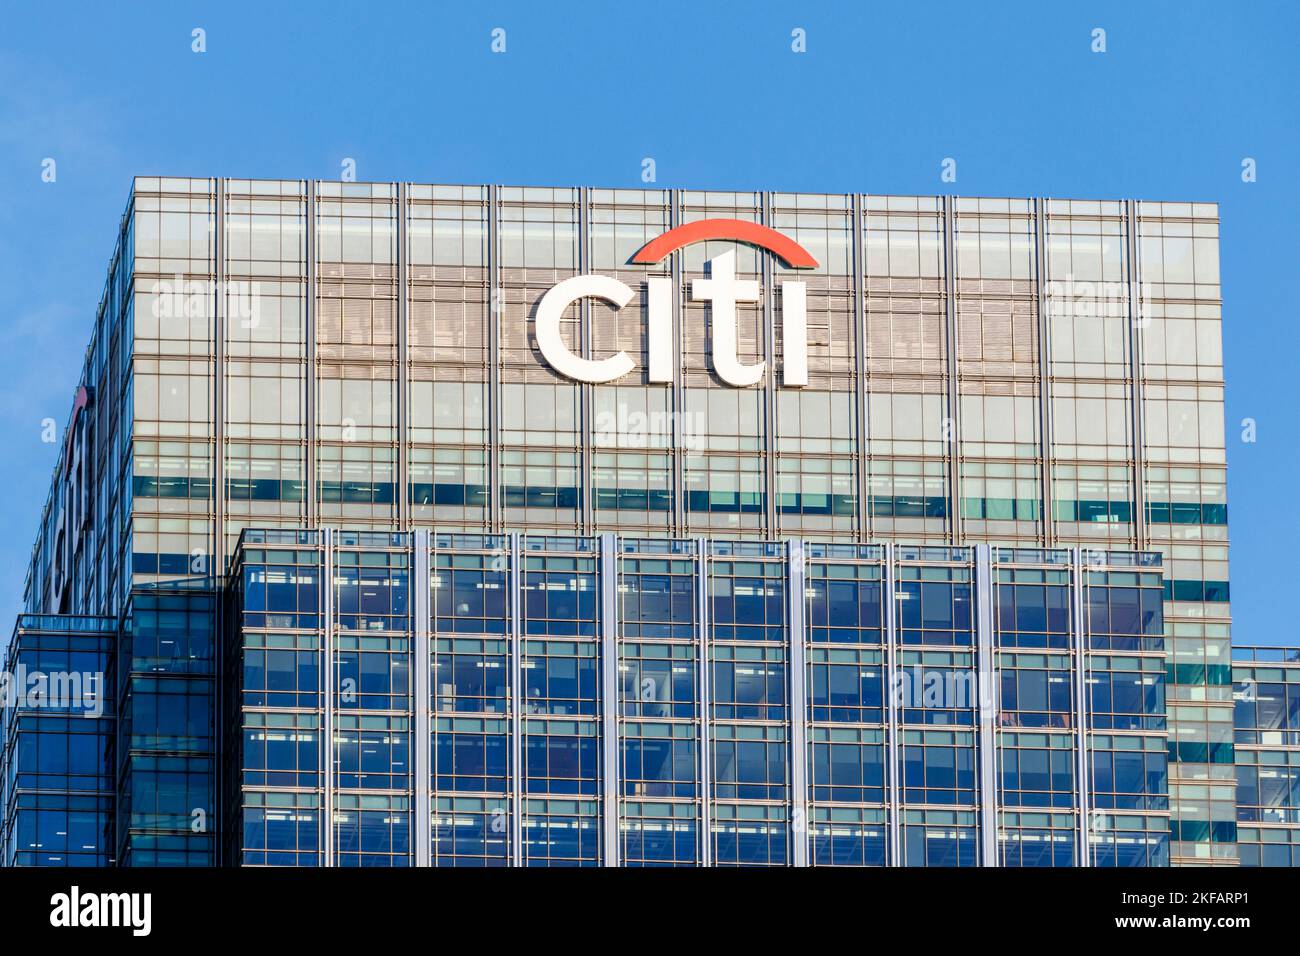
1266	684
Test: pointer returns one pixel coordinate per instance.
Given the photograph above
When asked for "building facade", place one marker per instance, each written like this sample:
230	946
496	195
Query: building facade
682	705
1266	686
597	369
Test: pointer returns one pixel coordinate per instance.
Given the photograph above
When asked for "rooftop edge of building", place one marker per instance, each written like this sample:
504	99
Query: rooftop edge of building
1198	208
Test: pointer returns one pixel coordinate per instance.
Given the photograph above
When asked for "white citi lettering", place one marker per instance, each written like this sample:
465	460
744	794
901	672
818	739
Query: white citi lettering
721	289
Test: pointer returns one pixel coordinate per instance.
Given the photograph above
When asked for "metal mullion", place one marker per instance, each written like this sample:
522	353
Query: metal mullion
890	603
515	578
1079	660
952	391
217	562
496	306
860	379
704	676
586	391
403	489
328	683
610	770
767	278
219	372
1046	424
675	262
311	445
796	592
422	737
985	689
1136	393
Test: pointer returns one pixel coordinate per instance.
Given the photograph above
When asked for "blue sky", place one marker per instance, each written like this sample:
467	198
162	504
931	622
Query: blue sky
714	94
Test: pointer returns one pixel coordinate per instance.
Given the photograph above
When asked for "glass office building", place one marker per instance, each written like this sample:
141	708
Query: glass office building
1266	687
59	784
690	702
944	581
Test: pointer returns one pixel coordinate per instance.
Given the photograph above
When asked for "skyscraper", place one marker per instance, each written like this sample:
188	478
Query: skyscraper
485	525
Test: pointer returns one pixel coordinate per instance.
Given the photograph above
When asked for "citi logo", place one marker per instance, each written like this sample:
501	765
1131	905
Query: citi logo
722	290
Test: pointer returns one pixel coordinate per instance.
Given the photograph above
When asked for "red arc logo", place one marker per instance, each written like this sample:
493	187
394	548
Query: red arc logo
736	230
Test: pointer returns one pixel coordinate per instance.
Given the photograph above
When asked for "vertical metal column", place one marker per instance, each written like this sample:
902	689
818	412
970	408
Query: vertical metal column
768	285
216	560
1079	659
679	388
327	689
586	391
609	698
952	391
221	308
796	573
986	697
1138	411
1045	424
516	579
704	675
860	350
310	374
403	483
496	306
217	557
422	735
894	730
